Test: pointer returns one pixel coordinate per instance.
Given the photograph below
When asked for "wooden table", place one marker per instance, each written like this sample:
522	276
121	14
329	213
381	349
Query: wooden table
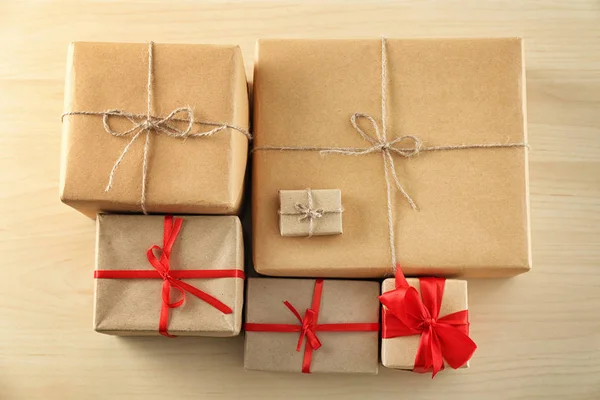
538	334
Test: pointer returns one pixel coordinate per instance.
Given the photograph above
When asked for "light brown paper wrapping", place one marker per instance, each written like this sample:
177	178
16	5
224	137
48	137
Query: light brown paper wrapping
132	306
473	219
193	176
400	352
342	302
329	200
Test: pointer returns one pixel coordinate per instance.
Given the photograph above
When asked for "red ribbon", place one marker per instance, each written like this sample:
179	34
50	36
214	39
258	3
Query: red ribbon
308	326
171	279
406	314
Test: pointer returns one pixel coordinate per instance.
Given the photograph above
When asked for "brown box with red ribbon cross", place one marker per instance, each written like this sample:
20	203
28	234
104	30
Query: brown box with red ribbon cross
425	324
308	325
175	276
161	128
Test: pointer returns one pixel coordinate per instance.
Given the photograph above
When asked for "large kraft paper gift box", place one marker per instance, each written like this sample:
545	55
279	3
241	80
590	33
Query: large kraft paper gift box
188	157
170	275
454	138
312	326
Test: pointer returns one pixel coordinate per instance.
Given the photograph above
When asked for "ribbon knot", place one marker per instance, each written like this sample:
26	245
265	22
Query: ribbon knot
407	314
429	323
309	324
166	276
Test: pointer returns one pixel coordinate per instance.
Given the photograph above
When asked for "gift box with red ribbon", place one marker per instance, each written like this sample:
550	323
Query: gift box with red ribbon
425	324
308	325
169	275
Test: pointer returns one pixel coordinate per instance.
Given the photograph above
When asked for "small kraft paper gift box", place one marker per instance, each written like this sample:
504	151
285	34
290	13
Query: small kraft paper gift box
425	324
426	140
308	325
156	128
174	276
310	212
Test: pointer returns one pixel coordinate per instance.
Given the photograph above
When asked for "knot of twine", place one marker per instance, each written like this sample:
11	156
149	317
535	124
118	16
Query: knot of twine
308	213
149	124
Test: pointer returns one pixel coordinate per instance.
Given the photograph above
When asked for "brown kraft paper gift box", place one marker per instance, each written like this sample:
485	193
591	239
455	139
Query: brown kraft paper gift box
400	352
473	217
341	302
185	175
296	212
133	306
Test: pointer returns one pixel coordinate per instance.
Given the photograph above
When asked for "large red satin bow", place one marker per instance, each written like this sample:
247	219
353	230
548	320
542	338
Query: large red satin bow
406	314
308	326
171	279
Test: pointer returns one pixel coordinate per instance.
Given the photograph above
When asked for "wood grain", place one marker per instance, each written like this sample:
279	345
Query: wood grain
538	334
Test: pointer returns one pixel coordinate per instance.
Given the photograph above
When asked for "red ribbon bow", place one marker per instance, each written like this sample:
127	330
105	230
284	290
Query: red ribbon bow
406	314
308	326
172	279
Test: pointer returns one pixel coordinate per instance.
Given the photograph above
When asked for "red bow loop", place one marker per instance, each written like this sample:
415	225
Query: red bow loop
408	314
162	265
308	330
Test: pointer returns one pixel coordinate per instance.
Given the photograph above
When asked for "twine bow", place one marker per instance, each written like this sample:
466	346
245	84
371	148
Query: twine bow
142	122
149	123
380	144
308	213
